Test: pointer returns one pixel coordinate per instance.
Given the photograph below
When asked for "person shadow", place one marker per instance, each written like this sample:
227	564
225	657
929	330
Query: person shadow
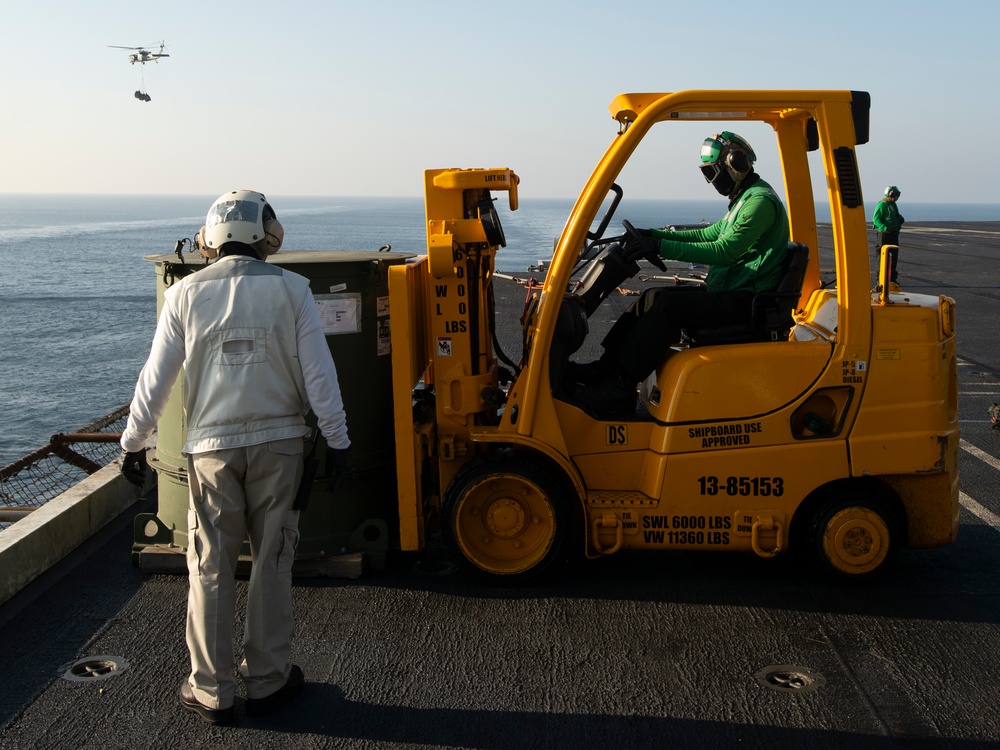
322	710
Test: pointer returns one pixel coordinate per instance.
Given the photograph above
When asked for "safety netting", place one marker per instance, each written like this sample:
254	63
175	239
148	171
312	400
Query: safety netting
47	472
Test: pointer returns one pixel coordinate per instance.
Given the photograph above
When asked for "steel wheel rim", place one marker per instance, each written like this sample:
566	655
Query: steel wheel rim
856	540
505	524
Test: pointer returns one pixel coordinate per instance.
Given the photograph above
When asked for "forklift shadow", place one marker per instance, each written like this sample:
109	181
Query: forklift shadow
920	584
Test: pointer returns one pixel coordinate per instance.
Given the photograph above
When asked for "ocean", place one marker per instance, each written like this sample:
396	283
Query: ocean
78	303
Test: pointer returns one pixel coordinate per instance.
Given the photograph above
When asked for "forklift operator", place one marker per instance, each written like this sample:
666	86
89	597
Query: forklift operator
746	251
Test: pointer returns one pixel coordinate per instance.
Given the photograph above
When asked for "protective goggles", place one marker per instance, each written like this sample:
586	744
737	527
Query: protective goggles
711	172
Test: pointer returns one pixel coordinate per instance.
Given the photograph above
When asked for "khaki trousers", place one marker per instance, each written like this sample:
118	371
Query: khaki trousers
232	493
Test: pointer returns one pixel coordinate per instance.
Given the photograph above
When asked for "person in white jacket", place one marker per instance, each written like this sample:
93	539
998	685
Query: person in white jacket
255	359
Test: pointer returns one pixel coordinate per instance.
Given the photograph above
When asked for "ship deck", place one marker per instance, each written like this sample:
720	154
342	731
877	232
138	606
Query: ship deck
635	650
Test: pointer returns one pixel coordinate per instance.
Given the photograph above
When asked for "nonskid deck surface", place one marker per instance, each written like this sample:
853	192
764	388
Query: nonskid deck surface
637	650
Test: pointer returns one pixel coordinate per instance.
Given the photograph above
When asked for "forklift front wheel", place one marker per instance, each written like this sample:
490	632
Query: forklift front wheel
856	537
506	520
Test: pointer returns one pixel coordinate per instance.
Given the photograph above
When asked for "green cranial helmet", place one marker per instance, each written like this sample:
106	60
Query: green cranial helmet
726	152
892	192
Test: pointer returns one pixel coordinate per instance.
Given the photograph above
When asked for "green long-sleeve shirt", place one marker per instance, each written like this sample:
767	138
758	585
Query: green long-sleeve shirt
887	218
746	248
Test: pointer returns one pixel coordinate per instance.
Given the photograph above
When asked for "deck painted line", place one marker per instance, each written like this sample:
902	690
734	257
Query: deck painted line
980	454
973	506
984	514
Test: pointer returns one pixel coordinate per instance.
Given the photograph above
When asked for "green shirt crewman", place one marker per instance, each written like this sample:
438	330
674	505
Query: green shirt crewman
888	221
746	250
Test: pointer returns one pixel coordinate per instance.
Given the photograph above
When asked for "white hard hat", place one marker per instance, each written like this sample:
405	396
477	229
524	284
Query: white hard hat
242	216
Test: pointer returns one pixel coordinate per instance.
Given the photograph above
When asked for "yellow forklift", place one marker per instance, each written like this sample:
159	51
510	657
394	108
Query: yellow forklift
830	430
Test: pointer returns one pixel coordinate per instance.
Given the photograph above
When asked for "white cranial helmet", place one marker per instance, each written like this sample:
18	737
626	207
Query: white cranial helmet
242	216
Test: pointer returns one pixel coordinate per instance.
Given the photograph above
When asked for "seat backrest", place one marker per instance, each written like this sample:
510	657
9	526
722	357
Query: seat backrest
795	272
772	311
771	318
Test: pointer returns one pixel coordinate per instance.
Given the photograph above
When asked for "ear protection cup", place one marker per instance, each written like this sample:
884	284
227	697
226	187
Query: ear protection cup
203	248
274	235
738	161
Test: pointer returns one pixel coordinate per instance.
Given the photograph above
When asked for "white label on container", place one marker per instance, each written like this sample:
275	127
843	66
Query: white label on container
339	313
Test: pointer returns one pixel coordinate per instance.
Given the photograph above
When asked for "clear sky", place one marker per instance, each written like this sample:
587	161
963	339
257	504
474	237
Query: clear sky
358	98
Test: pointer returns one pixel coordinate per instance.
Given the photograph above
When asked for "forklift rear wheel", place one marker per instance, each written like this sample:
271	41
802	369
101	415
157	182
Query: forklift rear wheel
506	520
856	537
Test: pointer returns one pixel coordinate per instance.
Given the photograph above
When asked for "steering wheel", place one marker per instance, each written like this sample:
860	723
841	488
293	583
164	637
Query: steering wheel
592	248
652	257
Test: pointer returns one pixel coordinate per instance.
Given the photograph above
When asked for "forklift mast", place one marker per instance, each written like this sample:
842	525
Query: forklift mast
444	338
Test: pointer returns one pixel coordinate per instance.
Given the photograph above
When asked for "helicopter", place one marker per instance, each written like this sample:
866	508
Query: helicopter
141	54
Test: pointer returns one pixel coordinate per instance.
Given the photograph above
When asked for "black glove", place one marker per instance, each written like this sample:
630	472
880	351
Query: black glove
134	467
641	247
338	467
643	233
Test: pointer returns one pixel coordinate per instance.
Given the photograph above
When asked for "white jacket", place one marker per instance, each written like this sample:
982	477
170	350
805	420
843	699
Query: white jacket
255	359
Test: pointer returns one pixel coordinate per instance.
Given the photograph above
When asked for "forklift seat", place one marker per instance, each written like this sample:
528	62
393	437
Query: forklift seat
771	317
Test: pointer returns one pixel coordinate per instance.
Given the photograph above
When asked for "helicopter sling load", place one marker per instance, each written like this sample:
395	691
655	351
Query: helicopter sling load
142	56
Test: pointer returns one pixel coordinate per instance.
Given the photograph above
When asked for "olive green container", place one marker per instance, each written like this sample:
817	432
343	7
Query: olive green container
352	290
